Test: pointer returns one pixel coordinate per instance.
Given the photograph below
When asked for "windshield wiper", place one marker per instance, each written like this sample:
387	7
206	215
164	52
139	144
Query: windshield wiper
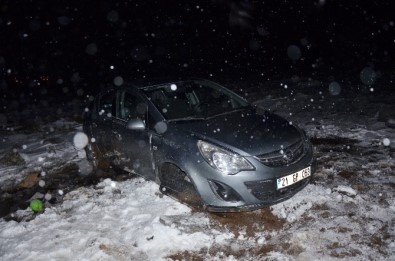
188	119
229	112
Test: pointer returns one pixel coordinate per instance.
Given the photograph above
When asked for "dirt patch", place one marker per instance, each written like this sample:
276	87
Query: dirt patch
344	230
222	253
12	158
361	187
322	206
293	249
347	174
338	145
187	256
201	255
65	178
333	141
249	221
378	239
244	224
342	253
118	252
266	249
30	180
326	214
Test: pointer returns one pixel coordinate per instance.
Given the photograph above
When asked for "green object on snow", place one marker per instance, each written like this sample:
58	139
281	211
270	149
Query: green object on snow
37	205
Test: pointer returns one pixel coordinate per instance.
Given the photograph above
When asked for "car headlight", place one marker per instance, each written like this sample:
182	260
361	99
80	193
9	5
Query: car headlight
223	160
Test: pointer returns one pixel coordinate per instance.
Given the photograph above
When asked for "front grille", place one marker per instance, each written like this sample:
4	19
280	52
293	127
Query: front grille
285	156
266	191
262	190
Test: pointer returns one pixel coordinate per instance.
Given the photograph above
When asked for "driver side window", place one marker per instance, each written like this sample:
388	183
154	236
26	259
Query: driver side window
132	107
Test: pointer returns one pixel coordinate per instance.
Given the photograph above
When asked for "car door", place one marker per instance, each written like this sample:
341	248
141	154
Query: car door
102	124
133	147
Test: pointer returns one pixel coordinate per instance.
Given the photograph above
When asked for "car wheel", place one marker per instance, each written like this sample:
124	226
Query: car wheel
96	158
176	183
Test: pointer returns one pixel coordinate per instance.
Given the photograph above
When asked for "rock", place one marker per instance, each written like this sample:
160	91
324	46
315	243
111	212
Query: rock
36	195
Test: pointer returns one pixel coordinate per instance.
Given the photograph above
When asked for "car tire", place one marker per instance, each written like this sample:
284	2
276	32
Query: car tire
176	183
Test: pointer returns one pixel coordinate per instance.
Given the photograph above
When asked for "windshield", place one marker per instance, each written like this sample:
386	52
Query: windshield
191	100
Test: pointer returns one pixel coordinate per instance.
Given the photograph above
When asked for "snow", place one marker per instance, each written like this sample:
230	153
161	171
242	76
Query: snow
386	142
334	88
346	212
368	76
91	49
294	53
110	221
118	81
80	140
173	87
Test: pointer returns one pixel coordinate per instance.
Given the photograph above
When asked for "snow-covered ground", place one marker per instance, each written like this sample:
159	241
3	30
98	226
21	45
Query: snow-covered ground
347	212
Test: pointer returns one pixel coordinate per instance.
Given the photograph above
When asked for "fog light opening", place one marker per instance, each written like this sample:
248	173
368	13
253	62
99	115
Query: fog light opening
225	192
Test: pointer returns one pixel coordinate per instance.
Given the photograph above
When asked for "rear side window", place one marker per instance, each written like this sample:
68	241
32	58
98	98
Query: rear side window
107	105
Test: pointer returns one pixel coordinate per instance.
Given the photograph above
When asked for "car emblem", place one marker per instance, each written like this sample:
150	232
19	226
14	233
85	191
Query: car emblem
288	157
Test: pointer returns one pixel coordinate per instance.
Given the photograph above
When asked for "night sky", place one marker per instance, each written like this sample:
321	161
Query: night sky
47	45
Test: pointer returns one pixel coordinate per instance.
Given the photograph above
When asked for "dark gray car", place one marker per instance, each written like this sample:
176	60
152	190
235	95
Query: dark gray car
202	143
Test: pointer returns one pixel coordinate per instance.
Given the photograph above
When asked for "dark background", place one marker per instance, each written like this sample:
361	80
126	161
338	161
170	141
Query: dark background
51	50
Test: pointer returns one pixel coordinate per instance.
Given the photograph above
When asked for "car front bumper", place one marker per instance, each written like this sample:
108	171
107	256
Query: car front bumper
255	189
273	198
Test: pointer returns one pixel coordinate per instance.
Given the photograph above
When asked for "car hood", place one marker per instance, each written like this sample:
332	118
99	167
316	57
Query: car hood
244	131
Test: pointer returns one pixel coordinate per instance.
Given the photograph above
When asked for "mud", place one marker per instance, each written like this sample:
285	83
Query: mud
248	221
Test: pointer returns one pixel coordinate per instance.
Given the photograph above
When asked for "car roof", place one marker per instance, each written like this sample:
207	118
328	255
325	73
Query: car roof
159	84
141	83
150	85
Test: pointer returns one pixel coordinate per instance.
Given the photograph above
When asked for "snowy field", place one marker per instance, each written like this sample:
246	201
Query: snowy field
347	212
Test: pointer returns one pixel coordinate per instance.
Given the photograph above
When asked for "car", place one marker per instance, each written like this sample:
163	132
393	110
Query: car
201	142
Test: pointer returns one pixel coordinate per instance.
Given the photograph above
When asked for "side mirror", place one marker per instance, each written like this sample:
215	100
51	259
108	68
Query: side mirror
136	124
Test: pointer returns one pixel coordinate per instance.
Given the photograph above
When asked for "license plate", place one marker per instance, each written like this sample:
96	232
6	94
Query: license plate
293	178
